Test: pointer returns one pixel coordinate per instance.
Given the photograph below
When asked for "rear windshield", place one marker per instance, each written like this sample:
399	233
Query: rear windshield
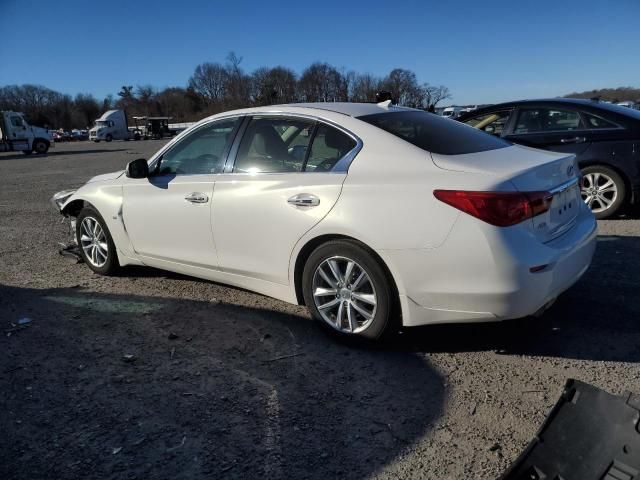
435	134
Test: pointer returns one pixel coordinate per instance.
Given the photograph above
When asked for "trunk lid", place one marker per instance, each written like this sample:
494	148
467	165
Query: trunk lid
529	170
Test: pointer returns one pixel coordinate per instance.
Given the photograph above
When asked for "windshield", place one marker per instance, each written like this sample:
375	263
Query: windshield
102	123
435	134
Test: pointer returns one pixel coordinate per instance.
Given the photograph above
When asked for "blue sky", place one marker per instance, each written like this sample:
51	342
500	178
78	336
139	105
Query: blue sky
484	51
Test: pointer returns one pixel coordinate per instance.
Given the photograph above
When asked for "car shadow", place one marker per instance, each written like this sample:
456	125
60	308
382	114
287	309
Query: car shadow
597	319
211	390
51	153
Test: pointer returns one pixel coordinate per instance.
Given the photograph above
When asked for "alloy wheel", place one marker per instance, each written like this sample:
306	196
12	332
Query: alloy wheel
93	241
344	294
599	191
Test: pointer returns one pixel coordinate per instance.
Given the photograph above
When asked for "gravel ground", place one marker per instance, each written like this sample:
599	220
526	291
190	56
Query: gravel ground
206	394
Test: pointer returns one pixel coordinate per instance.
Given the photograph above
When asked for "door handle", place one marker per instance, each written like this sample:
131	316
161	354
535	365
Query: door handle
304	200
197	197
573	140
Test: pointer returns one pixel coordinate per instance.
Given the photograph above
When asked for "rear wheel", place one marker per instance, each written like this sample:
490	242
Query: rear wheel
347	291
96	245
603	190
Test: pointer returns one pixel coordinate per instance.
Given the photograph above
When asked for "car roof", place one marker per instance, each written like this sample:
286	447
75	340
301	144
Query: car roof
351	109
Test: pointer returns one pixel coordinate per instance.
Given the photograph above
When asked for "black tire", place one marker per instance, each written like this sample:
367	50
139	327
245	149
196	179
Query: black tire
40	146
108	138
111	265
619	200
97	141
381	323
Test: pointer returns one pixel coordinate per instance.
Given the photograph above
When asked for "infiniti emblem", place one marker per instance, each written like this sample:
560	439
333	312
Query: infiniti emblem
569	170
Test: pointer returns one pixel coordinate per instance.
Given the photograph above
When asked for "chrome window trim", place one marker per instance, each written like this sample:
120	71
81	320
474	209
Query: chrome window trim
341	166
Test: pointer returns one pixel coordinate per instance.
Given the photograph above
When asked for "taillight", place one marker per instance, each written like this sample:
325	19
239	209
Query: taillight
501	209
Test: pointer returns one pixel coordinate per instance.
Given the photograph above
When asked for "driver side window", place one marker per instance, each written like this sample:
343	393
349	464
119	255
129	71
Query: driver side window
202	152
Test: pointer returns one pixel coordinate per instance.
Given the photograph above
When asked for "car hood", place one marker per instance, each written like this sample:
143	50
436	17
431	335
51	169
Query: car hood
106	176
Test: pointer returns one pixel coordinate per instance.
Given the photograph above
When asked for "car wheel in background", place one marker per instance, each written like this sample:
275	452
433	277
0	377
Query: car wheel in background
603	189
40	146
108	138
347	291
95	242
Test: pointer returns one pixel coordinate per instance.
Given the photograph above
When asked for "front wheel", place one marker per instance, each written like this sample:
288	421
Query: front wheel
96	245
108	138
347	291
40	146
603	190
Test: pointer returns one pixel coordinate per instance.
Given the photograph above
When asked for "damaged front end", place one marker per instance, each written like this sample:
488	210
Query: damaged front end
69	249
59	199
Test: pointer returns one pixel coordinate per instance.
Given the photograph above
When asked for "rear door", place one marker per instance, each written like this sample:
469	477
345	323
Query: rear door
559	129
286	177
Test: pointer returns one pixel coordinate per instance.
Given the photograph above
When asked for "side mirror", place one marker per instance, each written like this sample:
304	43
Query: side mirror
138	168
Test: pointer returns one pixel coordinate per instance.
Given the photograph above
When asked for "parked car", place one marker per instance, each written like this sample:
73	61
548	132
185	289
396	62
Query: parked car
371	215
79	135
604	137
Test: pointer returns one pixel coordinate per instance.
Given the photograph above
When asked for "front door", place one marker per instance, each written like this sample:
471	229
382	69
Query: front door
168	215
550	128
283	182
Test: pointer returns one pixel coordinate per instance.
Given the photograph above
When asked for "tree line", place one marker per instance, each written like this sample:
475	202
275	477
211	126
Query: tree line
615	95
216	87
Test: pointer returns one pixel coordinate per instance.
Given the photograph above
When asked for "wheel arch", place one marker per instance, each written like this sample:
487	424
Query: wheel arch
312	244
73	208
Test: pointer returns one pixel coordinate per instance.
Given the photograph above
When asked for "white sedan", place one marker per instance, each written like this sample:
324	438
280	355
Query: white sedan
371	215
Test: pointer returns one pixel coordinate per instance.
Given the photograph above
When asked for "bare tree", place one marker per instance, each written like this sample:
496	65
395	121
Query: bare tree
404	87
364	88
146	99
321	82
434	94
86	109
273	85
238	84
209	81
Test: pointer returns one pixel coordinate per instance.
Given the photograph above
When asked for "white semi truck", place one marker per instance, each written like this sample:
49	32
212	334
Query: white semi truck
112	125
17	135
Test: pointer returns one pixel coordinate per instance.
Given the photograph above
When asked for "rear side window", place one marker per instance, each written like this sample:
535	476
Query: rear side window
329	146
597	122
536	120
435	134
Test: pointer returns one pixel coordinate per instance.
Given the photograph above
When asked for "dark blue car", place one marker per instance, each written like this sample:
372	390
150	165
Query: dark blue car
604	137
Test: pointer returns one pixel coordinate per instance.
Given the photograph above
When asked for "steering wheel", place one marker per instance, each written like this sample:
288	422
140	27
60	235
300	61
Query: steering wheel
210	159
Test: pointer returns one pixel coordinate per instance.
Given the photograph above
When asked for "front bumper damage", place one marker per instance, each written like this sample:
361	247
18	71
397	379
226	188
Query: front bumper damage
71	249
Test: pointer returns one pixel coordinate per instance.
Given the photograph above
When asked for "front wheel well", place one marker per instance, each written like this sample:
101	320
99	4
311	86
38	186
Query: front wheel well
314	243
73	209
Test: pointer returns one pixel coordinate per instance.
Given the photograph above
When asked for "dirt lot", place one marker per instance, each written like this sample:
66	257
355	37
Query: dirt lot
206	395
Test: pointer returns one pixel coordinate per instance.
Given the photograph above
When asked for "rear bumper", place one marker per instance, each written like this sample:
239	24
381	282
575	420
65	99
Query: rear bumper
482	273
